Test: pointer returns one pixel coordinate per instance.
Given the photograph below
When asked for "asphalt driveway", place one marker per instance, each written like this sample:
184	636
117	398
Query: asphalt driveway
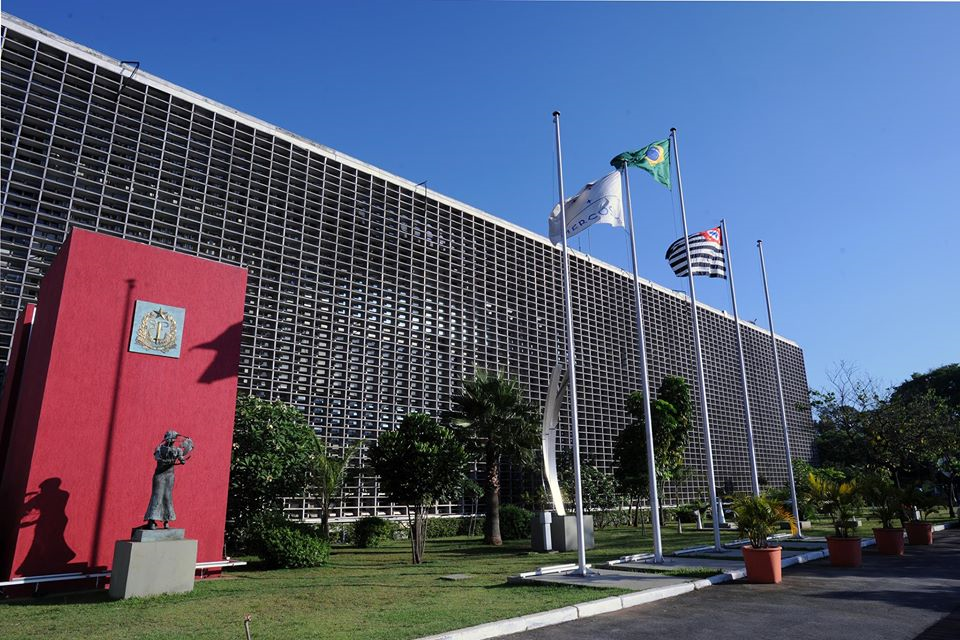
887	598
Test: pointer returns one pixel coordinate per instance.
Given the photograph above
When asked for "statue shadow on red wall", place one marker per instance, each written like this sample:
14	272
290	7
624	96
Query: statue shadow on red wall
46	511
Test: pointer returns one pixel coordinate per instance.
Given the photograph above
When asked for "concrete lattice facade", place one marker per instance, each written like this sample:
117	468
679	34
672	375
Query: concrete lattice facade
368	297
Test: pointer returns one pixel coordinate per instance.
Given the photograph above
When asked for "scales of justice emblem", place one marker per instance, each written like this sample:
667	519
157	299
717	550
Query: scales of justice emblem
157	331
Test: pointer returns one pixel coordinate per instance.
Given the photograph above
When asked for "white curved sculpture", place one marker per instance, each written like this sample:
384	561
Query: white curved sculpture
556	391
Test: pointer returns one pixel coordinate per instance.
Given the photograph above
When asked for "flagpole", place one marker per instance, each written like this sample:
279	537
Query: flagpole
568	306
783	410
648	418
728	252
711	483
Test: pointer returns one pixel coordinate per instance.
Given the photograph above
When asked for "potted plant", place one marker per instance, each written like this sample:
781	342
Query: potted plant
757	518
885	501
920	499
839	500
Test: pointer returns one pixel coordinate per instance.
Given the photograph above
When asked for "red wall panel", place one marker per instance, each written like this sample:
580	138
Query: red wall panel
98	410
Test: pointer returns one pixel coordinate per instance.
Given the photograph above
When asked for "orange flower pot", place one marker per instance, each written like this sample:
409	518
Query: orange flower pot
920	532
889	541
844	552
763	565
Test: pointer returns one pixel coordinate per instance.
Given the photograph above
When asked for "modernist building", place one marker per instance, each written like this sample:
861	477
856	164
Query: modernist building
368	297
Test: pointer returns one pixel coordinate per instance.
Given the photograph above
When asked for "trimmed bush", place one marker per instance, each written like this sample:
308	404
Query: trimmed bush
292	545
514	522
341	533
612	518
443	527
372	532
686	513
464	526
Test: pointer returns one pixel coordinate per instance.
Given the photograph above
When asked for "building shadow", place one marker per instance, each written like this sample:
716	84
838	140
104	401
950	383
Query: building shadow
46	511
226	348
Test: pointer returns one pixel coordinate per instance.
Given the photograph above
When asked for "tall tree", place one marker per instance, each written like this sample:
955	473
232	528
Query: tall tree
841	411
272	444
671	417
420	463
910	437
600	490
630	448
328	473
944	381
496	422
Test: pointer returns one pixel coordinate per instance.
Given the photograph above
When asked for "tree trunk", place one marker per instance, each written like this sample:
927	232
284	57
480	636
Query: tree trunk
325	515
951	497
418	533
491	493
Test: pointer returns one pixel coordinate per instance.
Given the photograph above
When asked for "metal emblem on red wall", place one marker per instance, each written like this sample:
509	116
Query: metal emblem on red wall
157	329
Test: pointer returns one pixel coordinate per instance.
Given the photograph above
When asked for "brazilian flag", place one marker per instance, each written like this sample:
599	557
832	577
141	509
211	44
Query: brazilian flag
654	158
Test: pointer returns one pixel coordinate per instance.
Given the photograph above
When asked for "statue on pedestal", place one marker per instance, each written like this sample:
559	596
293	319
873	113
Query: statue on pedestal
168	454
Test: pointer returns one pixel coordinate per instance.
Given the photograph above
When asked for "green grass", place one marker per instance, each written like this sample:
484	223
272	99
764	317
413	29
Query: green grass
369	593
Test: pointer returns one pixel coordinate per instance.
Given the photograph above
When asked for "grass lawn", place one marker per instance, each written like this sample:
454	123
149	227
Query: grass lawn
368	593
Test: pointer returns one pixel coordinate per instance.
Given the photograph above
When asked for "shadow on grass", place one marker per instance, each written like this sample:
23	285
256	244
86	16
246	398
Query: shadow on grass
98	596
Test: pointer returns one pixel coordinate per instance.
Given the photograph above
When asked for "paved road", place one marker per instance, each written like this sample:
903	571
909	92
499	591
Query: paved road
887	598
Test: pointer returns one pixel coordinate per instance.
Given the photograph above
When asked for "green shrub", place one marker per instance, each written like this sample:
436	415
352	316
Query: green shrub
443	527
686	513
341	533
514	522
372	532
613	518
464	526
291	545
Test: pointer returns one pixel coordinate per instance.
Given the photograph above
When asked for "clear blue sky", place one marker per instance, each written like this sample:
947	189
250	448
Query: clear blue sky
831	131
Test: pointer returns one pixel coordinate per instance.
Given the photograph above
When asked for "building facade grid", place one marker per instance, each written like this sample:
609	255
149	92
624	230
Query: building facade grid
368	296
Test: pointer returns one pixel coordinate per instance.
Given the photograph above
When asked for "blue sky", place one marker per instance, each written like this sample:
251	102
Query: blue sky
830	131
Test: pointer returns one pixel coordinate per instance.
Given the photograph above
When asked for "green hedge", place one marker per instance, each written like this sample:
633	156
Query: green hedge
611	518
443	527
372	531
464	529
514	522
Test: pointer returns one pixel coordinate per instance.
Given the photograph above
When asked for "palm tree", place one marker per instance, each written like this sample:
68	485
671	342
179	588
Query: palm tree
328	475
495	421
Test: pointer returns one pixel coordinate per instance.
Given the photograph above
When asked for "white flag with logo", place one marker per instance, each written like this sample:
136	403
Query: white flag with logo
599	201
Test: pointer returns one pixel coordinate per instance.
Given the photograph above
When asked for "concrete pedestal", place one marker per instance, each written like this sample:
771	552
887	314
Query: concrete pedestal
540	525
152	568
563	532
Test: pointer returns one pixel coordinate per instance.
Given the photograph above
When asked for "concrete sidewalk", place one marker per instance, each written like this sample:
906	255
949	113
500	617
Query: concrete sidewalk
913	591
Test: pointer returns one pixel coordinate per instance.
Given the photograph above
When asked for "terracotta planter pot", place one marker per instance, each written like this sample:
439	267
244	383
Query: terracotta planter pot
844	552
889	541
763	565
920	532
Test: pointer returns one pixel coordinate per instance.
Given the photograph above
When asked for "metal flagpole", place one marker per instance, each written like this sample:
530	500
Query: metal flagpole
708	449
648	418
574	426
754	481
783	410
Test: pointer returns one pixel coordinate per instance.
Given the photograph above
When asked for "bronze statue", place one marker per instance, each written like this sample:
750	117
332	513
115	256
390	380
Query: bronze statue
168	454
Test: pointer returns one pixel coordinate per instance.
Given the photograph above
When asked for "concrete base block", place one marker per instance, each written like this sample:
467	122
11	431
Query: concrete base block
563	532
151	568
540	538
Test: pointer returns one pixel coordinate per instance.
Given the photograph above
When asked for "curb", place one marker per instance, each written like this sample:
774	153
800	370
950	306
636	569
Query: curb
615	603
586	609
